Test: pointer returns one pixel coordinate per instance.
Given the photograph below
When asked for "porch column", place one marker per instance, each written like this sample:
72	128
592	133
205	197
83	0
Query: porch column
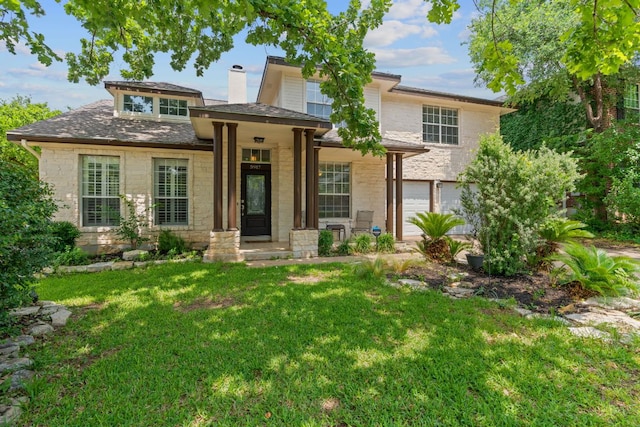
399	215
217	176
389	223
316	188
231	176
297	178
310	181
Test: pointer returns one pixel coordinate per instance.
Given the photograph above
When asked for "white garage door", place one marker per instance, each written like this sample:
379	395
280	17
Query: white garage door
450	200
415	196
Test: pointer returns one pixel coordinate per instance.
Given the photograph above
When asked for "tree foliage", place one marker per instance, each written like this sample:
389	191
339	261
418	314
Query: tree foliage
557	48
26	207
14	113
514	194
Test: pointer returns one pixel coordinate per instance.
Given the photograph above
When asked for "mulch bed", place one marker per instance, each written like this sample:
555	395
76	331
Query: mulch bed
535	292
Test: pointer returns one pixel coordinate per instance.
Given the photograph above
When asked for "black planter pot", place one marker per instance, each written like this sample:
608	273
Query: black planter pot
475	261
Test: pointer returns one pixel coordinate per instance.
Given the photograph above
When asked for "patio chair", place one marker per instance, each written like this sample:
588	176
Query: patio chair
364	219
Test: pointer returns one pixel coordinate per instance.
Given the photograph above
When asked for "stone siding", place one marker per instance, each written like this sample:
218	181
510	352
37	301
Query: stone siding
304	243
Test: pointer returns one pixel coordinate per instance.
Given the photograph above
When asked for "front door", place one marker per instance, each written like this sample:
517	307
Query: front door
255	203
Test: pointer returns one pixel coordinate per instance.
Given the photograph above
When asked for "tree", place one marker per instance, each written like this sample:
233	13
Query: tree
20	111
514	195
26	207
558	48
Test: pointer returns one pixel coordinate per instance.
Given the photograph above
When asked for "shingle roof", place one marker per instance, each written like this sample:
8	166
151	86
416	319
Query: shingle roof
255	110
279	60
95	123
332	138
157	87
452	96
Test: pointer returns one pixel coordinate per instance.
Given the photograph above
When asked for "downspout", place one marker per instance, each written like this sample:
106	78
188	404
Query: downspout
23	142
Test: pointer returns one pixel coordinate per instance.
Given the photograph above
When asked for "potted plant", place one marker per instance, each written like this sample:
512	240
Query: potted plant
470	211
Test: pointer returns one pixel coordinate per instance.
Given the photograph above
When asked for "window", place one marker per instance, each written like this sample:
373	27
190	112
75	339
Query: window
631	102
100	190
439	125
318	104
138	104
171	198
334	190
173	107
255	155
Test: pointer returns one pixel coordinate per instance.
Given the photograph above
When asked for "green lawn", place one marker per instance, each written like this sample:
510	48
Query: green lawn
226	345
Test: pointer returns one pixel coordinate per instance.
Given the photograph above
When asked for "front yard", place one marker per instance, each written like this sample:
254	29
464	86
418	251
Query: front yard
220	344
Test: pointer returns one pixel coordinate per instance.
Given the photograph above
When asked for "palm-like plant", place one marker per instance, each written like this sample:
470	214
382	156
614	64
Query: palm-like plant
434	227
554	232
596	270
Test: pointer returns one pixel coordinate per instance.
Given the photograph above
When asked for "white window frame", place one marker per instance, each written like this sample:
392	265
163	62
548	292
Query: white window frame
128	100
175	105
171	191
440	125
632	101
316	98
100	189
331	185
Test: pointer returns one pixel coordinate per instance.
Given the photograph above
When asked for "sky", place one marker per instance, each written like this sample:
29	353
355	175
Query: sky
427	56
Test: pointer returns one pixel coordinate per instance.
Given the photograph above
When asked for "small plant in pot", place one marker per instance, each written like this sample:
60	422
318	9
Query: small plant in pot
470	212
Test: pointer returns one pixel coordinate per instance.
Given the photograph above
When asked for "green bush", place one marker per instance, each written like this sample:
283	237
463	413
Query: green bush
26	207
72	256
386	243
65	234
434	227
457	246
508	195
554	232
595	270
167	242
371	268
131	226
325	242
363	243
345	248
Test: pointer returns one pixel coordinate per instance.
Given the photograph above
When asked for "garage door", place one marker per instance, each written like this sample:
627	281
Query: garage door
450	200
416	199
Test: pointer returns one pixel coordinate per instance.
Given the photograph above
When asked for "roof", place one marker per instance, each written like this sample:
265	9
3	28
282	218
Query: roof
257	112
332	139
95	124
153	87
451	96
278	60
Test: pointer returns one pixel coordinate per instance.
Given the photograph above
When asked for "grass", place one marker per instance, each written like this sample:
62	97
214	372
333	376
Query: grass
226	345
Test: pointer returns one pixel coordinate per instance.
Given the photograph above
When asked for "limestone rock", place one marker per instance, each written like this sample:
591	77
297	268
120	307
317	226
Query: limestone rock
589	332
598	316
60	317
132	255
10	365
24	311
460	292
99	266
622	303
39	330
411	282
19	378
9	349
23	340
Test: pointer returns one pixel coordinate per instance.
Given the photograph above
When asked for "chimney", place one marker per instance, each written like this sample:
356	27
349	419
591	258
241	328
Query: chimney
237	85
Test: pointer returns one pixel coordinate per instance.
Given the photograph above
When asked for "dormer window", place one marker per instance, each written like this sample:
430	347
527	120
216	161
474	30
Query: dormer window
173	107
138	104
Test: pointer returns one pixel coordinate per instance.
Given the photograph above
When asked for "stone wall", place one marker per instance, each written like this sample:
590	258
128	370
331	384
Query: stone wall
304	243
223	246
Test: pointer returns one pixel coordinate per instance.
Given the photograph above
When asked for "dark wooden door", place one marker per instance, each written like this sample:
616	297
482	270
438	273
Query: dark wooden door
255	203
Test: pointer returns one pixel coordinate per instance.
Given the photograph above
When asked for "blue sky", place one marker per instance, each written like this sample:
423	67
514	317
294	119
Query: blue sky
425	55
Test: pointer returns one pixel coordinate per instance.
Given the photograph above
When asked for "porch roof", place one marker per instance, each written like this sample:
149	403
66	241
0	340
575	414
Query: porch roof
332	139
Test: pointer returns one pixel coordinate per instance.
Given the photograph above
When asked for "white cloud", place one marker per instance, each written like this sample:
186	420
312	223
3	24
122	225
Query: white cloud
20	48
399	58
406	9
390	32
38	70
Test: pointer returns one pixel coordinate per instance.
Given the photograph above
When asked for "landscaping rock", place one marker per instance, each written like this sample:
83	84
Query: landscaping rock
72	269
522	311
60	317
622	303
598	316
9	349
99	266
460	292
50	309
39	330
23	340
19	378
122	265
24	311
411	282
10	365
132	255
589	332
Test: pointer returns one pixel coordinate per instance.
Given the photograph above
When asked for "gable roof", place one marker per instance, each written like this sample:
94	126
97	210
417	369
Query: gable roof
153	87
444	95
95	124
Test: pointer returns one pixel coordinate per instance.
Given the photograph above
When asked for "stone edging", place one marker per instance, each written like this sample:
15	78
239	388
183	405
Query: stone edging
39	320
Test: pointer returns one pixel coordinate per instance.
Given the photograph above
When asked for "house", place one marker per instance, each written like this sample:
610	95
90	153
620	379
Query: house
221	174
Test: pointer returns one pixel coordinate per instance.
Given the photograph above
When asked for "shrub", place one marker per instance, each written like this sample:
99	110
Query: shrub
345	248
457	246
72	256
65	234
363	243
386	243
325	242
167	241
130	228
26	207
554	232
371	268
514	194
595	270
434	227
